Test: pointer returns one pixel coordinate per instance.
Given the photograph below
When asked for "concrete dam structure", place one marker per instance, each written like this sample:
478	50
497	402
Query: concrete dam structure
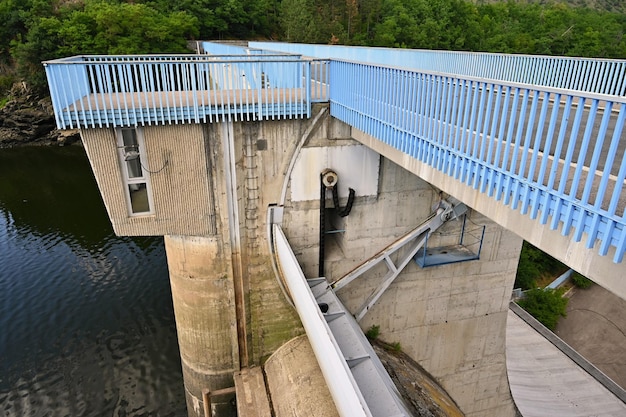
291	229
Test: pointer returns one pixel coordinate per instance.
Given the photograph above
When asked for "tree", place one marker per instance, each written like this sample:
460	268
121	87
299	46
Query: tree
547	306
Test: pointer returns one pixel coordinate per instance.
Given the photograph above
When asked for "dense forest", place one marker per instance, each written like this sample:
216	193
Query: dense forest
37	30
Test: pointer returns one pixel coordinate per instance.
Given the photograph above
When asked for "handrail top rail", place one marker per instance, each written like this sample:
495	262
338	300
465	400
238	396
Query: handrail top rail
174	59
498	82
445	51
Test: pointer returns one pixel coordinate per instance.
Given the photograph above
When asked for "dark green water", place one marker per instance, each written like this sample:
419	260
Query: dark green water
86	319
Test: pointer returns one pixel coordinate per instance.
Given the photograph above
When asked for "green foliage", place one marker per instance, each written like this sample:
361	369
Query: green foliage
581	281
99	27
6	82
396	346
532	264
37	30
547	306
373	332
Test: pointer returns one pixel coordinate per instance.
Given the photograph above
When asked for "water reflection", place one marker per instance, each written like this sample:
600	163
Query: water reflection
86	318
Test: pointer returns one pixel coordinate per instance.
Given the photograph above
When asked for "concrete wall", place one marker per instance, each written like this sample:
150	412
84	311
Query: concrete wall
451	318
211	200
206	322
178	156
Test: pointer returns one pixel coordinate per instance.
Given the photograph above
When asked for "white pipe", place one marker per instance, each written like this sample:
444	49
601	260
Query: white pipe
341	384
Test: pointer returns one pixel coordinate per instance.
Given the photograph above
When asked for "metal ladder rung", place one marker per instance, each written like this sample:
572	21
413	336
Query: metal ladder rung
333	316
354	361
315	281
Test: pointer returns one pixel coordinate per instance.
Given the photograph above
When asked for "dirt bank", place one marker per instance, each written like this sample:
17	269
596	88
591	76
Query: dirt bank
28	119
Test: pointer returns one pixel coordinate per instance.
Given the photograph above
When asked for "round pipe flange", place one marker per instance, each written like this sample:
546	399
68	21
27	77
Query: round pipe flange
329	178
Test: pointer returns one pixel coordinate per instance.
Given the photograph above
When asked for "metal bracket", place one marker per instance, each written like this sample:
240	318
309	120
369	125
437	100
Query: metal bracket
413	240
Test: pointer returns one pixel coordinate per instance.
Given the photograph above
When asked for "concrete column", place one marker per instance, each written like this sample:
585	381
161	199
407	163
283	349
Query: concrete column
204	306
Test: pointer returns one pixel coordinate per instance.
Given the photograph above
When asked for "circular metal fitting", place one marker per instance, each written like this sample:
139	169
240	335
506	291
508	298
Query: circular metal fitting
329	178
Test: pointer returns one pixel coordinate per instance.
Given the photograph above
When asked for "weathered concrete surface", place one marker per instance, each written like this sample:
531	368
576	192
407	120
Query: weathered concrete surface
547	383
417	387
251	394
230	311
596	327
204	307
296	383
450	319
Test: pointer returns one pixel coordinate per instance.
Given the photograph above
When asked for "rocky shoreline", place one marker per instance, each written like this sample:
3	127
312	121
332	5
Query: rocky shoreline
28	119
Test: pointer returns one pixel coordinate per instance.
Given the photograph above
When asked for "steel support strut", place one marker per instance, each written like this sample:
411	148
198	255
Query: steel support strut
413	241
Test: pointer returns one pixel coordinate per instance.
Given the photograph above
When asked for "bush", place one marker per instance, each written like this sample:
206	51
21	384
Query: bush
581	281
545	305
373	332
532	264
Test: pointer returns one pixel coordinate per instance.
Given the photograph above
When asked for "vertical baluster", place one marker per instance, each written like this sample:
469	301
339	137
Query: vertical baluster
129	100
512	180
413	100
579	167
487	139
75	97
100	92
591	176
135	92
482	137
528	138
544	161
555	163
156	88
467	149
95	119
558	214
431	119
447	120
436	106
531	192
496	174
460	127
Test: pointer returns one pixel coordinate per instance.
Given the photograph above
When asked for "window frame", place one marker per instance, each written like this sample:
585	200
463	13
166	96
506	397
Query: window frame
126	176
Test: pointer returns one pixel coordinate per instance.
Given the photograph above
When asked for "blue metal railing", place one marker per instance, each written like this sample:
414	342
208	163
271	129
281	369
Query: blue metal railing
238	49
601	76
542	134
550	152
97	91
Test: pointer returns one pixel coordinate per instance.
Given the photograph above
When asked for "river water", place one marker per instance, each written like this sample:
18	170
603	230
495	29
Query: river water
86	319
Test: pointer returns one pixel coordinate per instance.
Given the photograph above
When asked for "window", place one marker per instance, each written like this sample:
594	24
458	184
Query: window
133	161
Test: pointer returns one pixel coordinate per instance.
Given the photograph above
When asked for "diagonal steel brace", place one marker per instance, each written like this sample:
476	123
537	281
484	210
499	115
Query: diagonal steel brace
414	240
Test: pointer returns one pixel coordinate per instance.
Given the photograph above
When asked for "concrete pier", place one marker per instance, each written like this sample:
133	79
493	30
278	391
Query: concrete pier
211	185
204	306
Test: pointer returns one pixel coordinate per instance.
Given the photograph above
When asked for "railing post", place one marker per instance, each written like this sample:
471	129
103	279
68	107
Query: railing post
308	88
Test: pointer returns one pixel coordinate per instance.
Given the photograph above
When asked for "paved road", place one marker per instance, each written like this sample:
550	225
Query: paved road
596	327
546	383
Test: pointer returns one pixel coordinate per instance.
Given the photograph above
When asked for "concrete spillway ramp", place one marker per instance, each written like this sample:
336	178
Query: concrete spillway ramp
545	382
297	388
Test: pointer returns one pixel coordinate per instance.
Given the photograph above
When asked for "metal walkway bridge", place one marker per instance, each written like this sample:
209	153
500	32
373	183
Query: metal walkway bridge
535	143
541	135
